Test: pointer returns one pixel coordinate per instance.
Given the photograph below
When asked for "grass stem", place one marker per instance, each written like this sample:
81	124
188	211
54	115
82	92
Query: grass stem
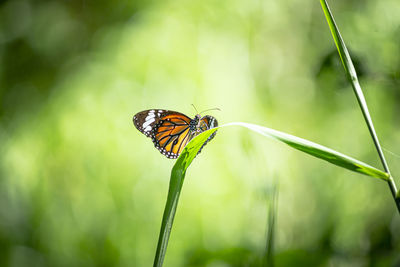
352	76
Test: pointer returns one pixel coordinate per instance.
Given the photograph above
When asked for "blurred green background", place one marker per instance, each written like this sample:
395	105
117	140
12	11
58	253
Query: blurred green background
80	186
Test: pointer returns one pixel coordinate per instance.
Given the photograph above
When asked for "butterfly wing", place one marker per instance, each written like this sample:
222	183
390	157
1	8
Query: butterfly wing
169	130
206	123
146	120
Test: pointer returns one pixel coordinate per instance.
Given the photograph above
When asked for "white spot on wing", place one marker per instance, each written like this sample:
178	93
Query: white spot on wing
148	122
150	116
147	129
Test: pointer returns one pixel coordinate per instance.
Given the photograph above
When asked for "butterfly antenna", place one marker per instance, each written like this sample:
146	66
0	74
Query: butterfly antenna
195	109
210	109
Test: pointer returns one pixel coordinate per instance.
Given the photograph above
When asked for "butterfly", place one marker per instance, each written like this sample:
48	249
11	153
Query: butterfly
170	131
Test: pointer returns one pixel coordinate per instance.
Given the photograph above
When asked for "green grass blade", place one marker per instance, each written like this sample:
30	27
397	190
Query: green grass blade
175	185
316	150
190	152
268	260
352	75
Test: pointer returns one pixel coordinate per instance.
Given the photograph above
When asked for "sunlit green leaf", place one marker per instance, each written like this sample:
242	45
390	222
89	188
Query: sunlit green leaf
175	186
190	152
317	150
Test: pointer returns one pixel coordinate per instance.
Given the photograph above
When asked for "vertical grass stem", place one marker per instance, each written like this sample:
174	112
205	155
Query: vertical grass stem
352	75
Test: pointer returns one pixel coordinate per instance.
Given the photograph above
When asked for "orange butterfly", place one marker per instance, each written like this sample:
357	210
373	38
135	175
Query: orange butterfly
170	131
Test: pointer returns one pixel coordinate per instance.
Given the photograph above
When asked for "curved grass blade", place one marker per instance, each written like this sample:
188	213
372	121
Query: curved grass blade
190	151
316	150
352	76
175	185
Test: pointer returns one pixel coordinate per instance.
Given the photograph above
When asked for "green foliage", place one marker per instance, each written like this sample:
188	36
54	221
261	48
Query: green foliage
79	186
190	151
352	75
175	185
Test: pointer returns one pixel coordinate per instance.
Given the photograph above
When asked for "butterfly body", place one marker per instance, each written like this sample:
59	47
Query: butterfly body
170	131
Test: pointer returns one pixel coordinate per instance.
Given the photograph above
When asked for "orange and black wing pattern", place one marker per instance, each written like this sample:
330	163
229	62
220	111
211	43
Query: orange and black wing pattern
206	123
169	130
